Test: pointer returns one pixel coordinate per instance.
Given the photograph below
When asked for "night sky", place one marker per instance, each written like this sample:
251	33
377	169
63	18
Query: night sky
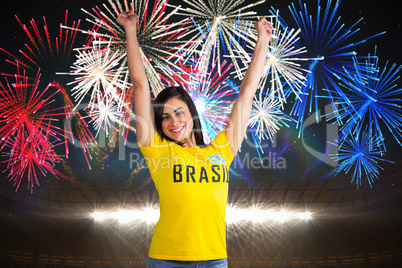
113	182
378	17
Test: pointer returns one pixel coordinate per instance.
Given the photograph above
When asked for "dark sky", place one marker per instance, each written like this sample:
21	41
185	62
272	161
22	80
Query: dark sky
378	17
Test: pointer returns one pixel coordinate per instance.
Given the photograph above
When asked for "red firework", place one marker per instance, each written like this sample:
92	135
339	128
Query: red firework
23	105
82	136
30	152
45	48
28	128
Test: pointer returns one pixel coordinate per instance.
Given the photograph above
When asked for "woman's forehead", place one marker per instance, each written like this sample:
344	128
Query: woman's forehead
173	104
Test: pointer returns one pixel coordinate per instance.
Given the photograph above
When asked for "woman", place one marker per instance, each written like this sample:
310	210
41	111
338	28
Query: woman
191	177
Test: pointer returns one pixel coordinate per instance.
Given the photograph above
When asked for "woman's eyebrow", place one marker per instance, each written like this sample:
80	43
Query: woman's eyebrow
173	111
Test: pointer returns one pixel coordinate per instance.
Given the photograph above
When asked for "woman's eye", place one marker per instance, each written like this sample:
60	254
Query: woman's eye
165	117
179	113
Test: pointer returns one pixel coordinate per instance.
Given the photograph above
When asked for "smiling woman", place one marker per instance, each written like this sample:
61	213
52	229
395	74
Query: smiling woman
176	117
192	215
50	227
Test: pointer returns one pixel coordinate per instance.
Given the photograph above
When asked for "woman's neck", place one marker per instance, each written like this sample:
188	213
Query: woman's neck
189	142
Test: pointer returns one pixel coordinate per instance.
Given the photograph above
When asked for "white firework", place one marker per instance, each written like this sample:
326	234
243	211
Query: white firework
158	39
266	117
214	22
99	75
104	114
282	65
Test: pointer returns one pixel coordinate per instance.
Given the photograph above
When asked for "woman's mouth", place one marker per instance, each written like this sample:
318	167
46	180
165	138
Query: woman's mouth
177	129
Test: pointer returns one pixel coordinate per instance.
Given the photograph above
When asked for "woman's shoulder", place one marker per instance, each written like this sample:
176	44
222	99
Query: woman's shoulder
220	139
157	142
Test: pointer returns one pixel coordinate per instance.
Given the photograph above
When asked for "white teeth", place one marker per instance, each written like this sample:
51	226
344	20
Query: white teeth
177	130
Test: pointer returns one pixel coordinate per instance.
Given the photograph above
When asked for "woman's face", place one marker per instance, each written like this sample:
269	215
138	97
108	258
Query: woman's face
177	122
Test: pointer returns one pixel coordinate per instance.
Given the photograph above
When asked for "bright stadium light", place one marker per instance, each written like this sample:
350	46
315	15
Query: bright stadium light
151	215
98	216
257	215
124	216
282	216
234	215
305	215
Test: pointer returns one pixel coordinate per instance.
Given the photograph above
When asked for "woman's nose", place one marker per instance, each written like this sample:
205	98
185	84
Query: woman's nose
175	120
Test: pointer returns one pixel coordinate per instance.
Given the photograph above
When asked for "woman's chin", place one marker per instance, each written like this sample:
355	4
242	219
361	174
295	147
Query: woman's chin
177	136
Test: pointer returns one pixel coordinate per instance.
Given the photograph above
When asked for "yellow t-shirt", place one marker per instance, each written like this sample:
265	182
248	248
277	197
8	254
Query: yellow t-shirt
192	184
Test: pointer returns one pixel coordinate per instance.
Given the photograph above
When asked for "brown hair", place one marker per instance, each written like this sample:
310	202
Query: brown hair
182	94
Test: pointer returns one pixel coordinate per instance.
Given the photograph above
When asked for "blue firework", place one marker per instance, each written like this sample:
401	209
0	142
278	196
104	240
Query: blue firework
362	156
327	38
375	101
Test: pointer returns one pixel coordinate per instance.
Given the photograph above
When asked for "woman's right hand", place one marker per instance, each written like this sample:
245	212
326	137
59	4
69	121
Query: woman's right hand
264	28
128	19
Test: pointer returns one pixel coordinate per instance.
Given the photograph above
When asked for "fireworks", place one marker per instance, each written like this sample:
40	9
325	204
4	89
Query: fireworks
104	115
316	62
23	112
215	22
45	51
99	75
158	40
208	93
28	133
324	36
282	67
361	155
374	98
28	152
265	120
266	117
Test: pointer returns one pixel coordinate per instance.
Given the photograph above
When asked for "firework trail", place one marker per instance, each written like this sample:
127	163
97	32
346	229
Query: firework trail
361	155
158	39
375	102
324	36
28	133
210	94
282	66
99	75
24	107
266	117
44	50
215	23
81	137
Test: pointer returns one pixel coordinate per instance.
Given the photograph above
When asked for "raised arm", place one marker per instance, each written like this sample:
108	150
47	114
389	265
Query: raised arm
239	118
142	98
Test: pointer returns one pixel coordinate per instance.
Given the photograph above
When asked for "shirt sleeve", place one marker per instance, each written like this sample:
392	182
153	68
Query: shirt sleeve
155	149
221	144
147	150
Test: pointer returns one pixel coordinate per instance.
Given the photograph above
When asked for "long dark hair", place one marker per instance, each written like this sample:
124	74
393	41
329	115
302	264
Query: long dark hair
160	101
